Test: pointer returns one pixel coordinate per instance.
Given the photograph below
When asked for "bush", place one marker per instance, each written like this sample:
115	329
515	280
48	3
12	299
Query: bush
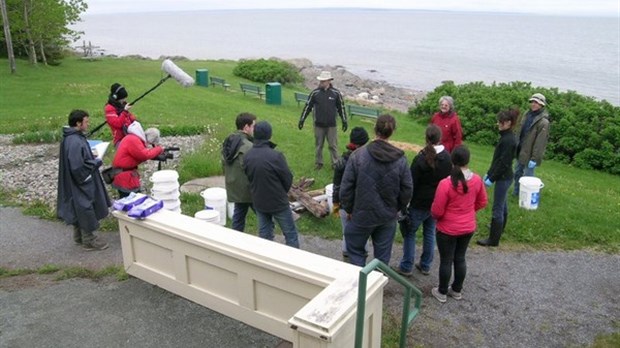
584	132
267	70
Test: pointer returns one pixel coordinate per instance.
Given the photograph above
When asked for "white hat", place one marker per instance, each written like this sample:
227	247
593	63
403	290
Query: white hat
538	98
325	76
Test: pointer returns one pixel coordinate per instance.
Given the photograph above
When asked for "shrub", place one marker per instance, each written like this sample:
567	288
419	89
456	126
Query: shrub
267	70
584	132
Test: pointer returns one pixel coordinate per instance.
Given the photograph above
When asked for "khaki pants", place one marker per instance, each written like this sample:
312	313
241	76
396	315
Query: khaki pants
320	133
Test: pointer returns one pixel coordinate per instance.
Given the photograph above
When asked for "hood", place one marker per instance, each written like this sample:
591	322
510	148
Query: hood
67	131
264	143
383	151
230	147
439	148
135	128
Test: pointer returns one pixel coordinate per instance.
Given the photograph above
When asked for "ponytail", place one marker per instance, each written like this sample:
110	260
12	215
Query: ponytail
460	158
433	136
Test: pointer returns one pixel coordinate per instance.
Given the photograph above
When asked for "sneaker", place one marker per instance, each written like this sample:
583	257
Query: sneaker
423	271
455	295
439	296
402	272
95	244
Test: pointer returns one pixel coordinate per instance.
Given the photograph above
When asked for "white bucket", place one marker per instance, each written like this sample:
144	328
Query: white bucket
167	175
165	195
529	192
212	216
165	187
171	204
215	199
329	191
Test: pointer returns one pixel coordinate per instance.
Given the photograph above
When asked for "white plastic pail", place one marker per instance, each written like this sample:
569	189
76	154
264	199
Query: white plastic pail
212	216
329	191
167	175
165	195
215	199
171	204
165	187
529	192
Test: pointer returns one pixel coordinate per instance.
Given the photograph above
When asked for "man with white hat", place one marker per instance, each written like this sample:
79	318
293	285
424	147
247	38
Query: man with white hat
533	133
325	100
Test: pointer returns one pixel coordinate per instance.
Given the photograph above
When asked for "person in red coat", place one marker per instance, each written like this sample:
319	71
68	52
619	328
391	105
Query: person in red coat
448	121
132	151
117	113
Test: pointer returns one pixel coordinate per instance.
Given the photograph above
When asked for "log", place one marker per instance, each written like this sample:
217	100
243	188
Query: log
316	208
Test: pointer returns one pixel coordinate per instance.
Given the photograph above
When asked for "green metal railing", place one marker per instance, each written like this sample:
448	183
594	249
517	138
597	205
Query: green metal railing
409	314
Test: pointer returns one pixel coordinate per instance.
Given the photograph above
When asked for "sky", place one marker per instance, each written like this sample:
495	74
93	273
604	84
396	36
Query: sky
546	7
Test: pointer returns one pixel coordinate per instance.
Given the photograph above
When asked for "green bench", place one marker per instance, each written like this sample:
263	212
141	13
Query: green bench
362	111
301	97
219	81
246	88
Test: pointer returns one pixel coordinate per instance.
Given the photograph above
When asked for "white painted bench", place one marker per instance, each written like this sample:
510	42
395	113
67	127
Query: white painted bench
307	299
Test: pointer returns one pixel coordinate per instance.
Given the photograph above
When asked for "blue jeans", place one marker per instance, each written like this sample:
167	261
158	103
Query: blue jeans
500	206
382	237
239	215
452	251
521	170
286	223
418	217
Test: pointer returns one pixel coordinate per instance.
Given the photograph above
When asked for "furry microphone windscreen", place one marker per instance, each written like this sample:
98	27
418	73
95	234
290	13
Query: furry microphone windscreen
175	72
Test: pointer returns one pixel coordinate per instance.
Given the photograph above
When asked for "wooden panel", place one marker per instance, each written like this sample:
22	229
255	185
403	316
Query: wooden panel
215	280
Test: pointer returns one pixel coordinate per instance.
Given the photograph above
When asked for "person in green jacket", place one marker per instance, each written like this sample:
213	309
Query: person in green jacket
234	149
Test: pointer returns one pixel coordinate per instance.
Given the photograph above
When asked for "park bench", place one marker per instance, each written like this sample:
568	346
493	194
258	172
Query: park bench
300	97
219	81
246	88
362	111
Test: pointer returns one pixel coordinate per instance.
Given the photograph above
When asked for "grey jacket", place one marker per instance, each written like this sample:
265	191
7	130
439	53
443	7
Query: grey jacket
234	149
533	145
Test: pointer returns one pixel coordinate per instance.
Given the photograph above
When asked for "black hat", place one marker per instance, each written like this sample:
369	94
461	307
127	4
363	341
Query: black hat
358	136
118	92
262	131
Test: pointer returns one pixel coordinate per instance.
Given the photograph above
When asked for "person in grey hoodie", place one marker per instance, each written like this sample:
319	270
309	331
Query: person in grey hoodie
376	185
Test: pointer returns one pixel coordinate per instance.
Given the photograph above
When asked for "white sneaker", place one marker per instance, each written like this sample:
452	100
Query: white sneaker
439	296
455	295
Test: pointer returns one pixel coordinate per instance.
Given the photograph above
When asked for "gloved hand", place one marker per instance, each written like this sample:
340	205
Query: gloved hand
345	126
127	107
404	222
98	162
531	164
336	211
300	125
161	157
487	181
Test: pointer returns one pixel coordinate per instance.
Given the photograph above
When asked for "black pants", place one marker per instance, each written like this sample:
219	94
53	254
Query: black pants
452	251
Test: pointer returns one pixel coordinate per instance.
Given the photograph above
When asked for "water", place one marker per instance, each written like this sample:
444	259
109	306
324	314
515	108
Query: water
414	49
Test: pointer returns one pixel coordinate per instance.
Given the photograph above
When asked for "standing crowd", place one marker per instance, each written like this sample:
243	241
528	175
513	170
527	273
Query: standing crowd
375	190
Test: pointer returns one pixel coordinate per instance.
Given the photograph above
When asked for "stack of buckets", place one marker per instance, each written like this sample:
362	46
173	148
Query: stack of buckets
166	189
215	200
529	192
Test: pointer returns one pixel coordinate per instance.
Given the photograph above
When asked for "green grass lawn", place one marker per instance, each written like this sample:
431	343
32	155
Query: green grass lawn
578	208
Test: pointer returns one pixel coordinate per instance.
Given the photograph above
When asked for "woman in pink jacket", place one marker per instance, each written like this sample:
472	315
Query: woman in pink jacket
457	199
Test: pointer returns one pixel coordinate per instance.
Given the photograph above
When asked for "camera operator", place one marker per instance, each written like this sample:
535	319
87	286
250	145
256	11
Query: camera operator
132	151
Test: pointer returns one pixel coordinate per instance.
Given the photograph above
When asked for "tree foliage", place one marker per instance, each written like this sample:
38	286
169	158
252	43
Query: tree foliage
40	28
267	70
583	131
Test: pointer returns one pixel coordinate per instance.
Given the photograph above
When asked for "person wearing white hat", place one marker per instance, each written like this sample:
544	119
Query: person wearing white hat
532	136
325	100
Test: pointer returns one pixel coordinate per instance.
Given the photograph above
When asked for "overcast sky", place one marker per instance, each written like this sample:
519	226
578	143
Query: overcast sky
550	7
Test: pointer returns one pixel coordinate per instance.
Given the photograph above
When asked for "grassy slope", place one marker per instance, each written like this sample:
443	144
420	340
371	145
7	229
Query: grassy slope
578	208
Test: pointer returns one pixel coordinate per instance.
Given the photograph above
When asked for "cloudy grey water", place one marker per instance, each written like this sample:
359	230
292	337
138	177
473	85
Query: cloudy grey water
414	49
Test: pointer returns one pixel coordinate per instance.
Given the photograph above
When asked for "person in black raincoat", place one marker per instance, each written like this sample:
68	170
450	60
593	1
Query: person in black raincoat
82	198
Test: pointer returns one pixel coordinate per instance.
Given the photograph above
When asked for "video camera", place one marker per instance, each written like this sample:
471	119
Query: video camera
166	155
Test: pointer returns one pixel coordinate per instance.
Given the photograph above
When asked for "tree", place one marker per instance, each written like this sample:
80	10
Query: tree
7	36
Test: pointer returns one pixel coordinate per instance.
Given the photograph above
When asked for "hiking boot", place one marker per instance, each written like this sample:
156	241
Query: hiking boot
402	272
95	244
423	271
455	295
439	296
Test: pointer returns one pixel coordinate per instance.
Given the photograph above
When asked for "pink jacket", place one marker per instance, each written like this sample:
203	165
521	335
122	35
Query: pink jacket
454	210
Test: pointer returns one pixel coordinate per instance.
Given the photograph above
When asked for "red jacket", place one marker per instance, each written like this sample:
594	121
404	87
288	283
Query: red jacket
451	131
454	210
117	121
130	153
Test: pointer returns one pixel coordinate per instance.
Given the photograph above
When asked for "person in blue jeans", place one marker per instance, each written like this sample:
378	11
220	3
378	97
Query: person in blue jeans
376	185
270	179
428	168
500	174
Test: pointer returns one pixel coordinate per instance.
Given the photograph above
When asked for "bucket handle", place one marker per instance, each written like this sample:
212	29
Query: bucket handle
541	185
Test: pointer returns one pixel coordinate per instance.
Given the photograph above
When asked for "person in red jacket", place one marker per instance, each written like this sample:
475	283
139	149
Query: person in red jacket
117	113
457	199
132	151
448	121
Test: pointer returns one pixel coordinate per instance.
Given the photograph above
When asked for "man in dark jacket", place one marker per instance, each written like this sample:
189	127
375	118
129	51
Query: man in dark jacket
234	149
325	100
82	197
270	179
376	185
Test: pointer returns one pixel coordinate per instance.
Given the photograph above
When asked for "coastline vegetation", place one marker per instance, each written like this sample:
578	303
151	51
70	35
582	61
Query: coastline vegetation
579	208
